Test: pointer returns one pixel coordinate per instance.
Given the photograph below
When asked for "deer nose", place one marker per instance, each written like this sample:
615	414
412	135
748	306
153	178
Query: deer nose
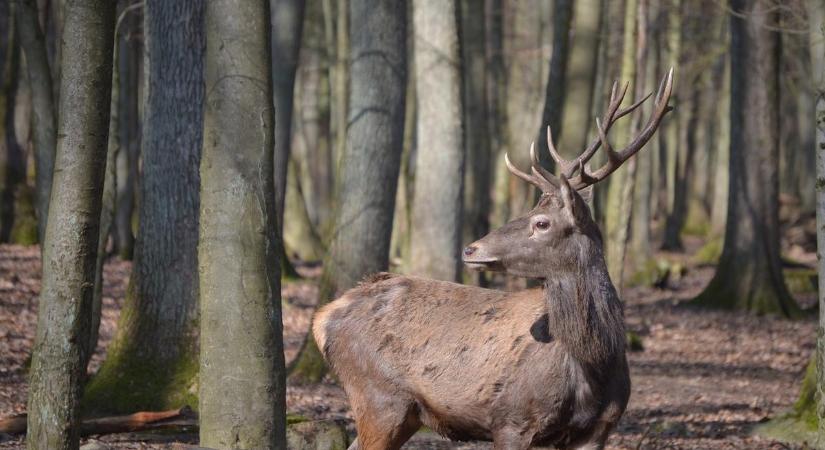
469	250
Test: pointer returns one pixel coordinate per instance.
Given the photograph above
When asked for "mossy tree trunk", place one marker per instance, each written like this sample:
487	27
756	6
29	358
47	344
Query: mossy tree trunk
44	123
437	210
72	231
749	275
369	168
152	363
241	330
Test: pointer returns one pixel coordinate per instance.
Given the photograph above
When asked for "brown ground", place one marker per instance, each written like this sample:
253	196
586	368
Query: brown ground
703	380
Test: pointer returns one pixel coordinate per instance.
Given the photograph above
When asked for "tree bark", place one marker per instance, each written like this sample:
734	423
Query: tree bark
439	180
816	20
671	132
44	123
72	232
241	330
12	160
130	54
477	150
576	122
287	21
719	203
369	169
749	276
152	362
620	194
555	91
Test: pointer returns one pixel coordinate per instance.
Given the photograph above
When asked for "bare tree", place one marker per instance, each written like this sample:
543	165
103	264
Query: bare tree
439	179
369	168
44	123
749	274
241	330
72	231
158	332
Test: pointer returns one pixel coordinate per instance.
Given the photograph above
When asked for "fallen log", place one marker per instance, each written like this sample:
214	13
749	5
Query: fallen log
139	421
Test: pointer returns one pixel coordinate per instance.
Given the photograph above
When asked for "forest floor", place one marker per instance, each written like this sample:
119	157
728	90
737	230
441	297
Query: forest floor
702	381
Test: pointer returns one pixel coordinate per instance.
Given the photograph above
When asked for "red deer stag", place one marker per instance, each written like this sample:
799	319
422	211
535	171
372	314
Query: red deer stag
538	367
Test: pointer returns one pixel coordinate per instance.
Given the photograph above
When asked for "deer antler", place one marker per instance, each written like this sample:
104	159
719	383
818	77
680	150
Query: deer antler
546	181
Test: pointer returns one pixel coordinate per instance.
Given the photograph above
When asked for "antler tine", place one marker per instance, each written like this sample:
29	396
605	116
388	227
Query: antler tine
568	168
632	107
538	182
565	167
540	171
616	159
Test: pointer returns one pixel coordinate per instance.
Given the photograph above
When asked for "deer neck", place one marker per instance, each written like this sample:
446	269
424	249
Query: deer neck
584	312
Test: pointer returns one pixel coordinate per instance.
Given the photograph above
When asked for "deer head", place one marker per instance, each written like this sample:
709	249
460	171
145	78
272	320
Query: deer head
556	232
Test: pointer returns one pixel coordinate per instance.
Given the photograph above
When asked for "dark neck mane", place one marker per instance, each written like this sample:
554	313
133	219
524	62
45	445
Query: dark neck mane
584	311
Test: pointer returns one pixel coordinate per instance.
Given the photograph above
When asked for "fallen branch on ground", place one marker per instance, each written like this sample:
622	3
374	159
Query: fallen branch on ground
139	421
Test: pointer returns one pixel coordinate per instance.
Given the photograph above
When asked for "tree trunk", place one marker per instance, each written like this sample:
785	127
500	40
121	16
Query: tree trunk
555	91
719	203
641	216
369	170
439	179
620	194
129	64
670	134
72	231
287	20
816	14
44	123
152	363
576	122
496	93
241	330
478	173
107	206
12	161
749	275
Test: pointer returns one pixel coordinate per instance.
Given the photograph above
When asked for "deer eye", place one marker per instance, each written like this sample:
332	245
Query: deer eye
542	225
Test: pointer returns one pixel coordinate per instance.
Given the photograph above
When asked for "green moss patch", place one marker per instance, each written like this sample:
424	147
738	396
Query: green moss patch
709	253
801	281
24	230
634	342
127	383
799	425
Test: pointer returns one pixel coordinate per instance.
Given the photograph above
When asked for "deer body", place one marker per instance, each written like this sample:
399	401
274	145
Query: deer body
478	364
539	367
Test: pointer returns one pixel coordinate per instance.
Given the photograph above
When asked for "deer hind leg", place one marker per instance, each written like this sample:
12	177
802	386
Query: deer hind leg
384	423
